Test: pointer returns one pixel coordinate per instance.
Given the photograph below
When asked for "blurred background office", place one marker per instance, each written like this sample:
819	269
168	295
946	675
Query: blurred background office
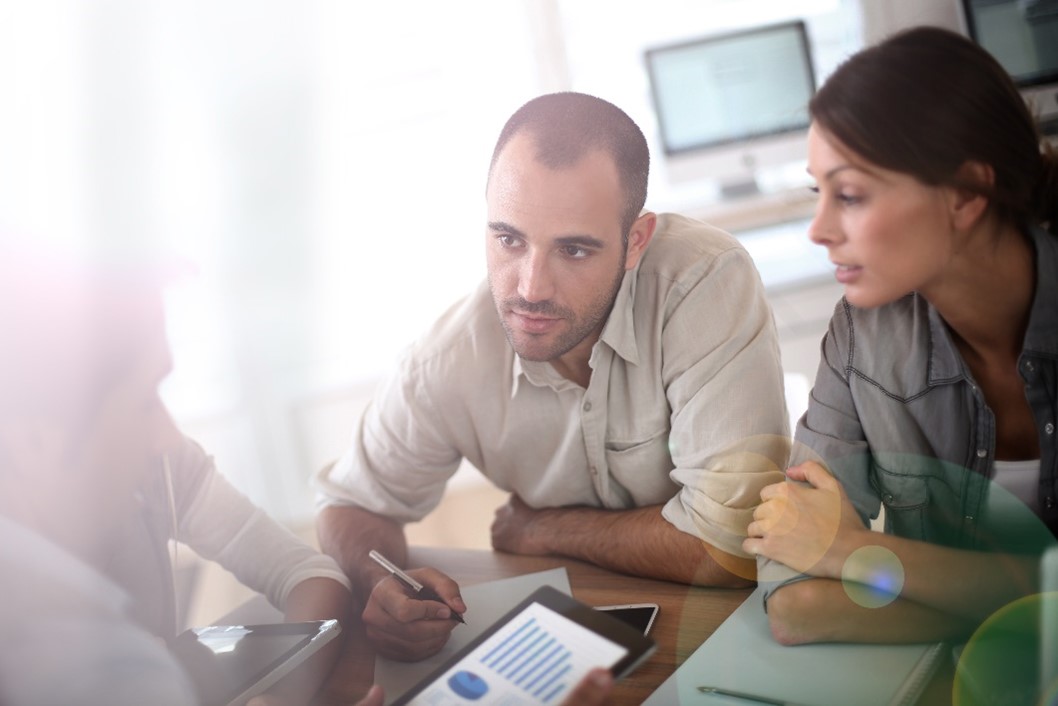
322	165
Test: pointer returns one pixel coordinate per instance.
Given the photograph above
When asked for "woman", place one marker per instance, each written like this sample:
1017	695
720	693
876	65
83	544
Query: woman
937	390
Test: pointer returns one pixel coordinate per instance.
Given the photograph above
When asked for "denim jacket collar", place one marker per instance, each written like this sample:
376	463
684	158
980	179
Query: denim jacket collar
1041	336
945	363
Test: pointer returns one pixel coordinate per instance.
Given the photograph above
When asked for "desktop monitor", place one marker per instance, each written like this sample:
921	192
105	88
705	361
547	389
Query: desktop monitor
1023	36
730	106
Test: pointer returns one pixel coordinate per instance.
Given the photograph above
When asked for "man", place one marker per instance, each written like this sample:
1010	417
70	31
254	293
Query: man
619	374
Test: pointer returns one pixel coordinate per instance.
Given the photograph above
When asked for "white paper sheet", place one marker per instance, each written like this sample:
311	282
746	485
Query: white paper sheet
486	602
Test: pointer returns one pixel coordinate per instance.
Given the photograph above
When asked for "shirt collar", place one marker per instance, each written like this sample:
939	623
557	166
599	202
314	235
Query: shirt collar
619	332
516	373
539	374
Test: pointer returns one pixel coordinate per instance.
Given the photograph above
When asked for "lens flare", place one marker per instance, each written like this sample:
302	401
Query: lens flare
872	576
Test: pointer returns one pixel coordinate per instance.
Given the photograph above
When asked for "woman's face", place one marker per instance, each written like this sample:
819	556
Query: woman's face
887	233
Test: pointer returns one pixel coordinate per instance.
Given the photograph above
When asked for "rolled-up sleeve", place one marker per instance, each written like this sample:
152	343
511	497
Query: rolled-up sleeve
401	457
222	524
724	382
830	433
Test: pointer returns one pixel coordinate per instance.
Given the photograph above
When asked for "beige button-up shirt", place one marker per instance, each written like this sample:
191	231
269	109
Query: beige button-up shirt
685	405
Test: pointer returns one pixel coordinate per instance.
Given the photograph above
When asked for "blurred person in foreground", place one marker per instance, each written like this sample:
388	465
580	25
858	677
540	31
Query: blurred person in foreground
95	479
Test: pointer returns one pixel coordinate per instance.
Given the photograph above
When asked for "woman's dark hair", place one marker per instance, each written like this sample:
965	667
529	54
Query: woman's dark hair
926	101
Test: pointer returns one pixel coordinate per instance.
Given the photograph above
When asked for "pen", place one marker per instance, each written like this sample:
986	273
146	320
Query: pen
421	592
742	695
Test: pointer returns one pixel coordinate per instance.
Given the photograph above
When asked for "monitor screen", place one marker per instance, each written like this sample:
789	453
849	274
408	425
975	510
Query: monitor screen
1021	34
726	88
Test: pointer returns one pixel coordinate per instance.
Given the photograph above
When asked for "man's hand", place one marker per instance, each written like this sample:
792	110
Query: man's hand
512	528
805	522
408	629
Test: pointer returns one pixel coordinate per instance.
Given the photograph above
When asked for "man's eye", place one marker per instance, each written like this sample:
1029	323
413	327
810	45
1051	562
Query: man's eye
575	251
507	240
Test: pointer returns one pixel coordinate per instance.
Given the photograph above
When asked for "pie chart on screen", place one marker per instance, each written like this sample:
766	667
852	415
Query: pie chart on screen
468	685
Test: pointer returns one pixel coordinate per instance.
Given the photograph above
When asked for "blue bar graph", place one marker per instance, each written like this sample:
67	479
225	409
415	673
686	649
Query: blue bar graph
533	660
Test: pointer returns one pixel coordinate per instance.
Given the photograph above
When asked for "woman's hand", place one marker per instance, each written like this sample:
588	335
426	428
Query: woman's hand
806	522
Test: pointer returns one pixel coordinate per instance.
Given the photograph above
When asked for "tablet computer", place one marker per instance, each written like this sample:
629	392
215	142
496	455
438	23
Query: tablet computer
535	654
229	664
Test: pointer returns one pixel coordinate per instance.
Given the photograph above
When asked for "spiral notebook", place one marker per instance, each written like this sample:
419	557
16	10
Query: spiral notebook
743	659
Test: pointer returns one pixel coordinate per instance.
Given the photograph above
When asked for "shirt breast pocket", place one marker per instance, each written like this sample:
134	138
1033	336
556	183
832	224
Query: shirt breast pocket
642	467
919	497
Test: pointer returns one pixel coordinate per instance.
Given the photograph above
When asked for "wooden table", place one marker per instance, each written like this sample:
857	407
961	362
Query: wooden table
686	617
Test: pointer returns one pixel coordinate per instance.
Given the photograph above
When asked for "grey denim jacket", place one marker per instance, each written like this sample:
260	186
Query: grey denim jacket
896	415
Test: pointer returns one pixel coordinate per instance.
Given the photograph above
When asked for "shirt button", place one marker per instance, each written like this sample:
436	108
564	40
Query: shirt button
969	518
1030	367
981	453
1048	428
593	471
888	498
1049	502
587	406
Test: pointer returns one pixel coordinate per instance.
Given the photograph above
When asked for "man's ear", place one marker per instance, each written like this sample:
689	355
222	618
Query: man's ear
968	203
639	236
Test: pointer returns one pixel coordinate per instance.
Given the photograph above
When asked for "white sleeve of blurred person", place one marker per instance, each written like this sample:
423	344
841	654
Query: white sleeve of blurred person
221	523
82	355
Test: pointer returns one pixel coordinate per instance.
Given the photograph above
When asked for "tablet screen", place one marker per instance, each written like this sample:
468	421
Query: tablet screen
536	654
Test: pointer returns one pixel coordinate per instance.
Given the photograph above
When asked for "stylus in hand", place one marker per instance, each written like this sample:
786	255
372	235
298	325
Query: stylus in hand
421	592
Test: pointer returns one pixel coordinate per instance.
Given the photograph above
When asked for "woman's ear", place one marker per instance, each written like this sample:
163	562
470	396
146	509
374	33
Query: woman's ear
969	203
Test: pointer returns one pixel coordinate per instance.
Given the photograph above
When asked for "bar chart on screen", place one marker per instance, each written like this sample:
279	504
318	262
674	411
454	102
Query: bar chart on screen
536	658
532	659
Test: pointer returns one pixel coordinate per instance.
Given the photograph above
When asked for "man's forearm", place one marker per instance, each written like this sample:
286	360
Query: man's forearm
639	542
819	610
348	533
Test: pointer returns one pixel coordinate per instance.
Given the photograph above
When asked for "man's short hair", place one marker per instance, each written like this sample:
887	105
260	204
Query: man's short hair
566	126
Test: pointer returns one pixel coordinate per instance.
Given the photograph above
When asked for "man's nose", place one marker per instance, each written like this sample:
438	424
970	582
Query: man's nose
535	282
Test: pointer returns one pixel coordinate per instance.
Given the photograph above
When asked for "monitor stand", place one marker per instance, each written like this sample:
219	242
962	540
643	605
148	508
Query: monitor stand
739	189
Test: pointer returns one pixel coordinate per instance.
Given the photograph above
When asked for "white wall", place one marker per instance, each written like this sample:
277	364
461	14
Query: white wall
883	17
322	164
